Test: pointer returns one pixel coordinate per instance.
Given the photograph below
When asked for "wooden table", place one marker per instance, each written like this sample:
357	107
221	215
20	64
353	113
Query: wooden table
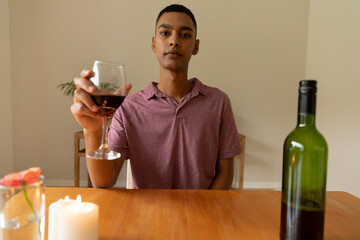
203	214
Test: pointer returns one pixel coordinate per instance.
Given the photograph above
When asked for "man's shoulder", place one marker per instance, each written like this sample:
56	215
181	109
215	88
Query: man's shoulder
141	95
135	95
210	90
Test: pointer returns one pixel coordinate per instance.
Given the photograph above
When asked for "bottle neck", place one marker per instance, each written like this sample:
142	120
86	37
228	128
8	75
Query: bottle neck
306	120
306	110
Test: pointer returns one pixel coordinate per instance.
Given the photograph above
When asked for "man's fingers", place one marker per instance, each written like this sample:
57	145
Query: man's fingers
79	110
85	111
85	84
87	73
123	89
128	88
85	117
82	96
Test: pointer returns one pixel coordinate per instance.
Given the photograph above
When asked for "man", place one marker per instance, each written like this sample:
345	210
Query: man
177	133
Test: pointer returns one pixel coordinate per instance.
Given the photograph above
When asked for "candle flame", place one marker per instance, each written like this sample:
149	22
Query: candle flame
78	203
67	198
43	196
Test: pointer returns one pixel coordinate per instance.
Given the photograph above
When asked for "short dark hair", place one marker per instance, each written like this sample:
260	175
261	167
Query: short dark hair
177	8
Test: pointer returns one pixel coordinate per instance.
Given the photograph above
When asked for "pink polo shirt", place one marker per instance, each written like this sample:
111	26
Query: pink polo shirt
174	145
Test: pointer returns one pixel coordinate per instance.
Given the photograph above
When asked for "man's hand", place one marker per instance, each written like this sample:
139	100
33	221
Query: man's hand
85	111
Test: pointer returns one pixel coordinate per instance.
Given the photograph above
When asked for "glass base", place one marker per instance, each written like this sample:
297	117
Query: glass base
103	155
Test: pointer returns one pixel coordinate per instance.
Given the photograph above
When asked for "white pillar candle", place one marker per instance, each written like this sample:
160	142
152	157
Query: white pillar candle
54	210
78	221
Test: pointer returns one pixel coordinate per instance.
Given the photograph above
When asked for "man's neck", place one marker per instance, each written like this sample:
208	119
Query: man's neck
175	85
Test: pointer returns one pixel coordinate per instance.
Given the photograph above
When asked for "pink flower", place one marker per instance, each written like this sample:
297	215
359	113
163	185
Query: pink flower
16	179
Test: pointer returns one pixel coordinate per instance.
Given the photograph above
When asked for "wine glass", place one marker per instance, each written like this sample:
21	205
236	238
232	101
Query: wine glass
110	80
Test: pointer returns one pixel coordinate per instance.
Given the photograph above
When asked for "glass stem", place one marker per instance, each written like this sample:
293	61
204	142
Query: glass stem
104	139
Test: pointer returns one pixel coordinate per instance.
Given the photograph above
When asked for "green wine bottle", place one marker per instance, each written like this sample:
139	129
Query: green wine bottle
304	173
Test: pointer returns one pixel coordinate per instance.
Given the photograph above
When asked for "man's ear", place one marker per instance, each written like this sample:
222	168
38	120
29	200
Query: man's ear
196	47
153	44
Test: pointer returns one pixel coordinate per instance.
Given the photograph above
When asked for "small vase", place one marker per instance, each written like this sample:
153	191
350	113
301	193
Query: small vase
22	211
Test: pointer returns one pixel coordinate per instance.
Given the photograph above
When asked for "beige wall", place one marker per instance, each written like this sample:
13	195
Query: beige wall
333	57
255	51
6	158
252	50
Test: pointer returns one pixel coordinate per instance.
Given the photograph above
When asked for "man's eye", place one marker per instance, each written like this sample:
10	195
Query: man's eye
185	35
164	33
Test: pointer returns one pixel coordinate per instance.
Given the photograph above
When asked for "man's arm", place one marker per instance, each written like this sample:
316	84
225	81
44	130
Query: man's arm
103	173
224	174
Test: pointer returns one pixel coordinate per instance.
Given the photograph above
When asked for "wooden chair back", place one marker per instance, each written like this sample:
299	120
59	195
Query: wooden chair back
241	158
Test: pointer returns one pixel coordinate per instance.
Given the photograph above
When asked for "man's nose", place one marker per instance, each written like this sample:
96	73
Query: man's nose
174	42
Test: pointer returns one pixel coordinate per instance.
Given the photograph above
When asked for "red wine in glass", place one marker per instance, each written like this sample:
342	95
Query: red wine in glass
107	103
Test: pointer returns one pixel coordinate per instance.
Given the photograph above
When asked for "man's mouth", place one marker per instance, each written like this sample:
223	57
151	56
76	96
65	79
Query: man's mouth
173	53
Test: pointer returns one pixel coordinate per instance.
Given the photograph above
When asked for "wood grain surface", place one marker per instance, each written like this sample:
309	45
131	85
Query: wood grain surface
203	214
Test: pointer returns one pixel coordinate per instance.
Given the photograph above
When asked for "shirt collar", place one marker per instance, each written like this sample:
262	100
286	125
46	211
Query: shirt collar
151	91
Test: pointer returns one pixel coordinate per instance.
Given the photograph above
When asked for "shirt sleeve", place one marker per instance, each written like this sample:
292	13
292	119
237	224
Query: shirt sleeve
229	142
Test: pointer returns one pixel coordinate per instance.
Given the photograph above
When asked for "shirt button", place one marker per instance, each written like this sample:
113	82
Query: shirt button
168	99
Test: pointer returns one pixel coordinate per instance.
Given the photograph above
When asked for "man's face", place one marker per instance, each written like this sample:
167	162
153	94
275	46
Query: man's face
175	41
